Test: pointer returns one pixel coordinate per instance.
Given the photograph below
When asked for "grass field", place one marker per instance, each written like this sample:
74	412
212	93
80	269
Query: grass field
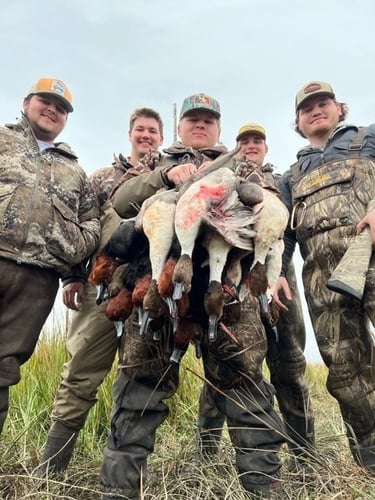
176	469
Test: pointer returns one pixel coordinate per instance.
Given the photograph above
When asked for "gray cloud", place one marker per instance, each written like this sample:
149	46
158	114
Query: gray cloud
252	55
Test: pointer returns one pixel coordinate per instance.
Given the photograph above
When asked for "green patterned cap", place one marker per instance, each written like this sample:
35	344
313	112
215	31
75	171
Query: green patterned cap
200	101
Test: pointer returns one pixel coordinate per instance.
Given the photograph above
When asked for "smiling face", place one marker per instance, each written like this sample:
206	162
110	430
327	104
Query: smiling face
144	136
253	147
46	114
318	117
199	129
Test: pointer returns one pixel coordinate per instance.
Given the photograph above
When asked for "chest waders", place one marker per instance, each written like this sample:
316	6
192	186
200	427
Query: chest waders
328	202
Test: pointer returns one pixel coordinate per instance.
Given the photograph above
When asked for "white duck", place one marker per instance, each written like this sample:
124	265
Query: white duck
269	228
215	198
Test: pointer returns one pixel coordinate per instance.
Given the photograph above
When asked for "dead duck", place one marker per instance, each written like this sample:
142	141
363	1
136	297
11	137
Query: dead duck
119	308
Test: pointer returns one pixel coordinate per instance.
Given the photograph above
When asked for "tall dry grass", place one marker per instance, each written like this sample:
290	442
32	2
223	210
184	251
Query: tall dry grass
176	469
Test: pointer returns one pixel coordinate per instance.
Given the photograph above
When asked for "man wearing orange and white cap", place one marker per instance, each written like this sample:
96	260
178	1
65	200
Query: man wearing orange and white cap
50	223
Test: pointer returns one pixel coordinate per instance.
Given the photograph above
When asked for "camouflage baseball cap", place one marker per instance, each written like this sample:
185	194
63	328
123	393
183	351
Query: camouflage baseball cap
200	101
311	89
56	87
251	128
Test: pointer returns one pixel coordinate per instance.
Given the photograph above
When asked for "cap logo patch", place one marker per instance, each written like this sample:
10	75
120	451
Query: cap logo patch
202	99
58	87
313	87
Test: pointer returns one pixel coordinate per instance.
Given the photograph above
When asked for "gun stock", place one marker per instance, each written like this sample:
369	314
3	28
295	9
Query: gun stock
349	277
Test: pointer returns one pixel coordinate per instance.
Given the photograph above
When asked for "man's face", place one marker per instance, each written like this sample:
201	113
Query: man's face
46	114
199	129
145	136
254	148
318	116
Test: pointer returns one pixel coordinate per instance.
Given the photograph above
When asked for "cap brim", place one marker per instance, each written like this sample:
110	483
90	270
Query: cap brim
189	111
64	102
250	132
315	94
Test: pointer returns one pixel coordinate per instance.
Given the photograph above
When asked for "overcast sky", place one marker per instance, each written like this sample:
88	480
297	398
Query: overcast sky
252	55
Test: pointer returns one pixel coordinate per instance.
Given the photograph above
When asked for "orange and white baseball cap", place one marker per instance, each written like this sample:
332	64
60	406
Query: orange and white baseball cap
56	87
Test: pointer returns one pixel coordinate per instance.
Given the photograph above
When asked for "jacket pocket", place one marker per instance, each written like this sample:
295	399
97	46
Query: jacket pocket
66	241
6	193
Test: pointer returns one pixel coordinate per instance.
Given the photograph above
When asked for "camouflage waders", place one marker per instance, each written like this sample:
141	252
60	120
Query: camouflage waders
329	201
255	429
286	362
287	365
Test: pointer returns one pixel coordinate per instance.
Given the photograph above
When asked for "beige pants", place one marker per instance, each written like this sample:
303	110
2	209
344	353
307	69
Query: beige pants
92	344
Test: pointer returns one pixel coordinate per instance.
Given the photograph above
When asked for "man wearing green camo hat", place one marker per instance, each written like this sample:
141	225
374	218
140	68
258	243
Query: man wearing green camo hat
139	408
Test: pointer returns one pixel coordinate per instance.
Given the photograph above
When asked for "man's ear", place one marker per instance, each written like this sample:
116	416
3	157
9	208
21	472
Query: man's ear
26	103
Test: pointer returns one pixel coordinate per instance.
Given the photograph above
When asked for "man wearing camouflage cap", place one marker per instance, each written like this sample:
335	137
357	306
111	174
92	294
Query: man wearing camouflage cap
50	223
330	193
148	377
199	123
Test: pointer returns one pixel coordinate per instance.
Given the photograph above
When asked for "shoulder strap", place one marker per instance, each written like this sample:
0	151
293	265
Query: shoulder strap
295	171
357	142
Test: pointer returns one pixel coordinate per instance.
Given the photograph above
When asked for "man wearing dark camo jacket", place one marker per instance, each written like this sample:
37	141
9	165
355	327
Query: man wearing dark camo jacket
49	223
140	391
92	341
286	344
330	192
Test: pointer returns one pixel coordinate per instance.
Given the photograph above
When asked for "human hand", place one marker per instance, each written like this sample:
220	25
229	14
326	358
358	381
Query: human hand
72	295
181	173
368	221
283	287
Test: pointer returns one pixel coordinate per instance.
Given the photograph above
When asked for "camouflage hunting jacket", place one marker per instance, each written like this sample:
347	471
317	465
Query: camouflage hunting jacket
105	181
337	153
132	194
48	210
264	175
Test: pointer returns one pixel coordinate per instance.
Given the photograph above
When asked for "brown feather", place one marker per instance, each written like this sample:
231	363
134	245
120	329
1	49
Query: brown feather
103	269
120	306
